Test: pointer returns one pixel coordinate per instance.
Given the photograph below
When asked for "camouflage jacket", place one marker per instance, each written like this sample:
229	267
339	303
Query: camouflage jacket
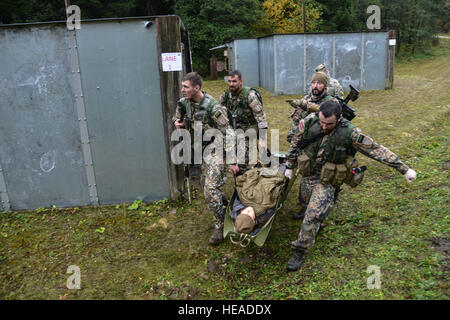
356	141
210	113
305	106
249	112
334	88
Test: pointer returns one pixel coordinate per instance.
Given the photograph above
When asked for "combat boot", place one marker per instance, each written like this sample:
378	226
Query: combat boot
217	235
296	260
300	215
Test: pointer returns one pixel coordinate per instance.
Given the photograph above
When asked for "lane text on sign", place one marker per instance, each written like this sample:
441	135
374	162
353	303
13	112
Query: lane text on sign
171	61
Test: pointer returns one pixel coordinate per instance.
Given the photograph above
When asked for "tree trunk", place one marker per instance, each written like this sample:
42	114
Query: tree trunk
149	7
303	16
213	67
67	2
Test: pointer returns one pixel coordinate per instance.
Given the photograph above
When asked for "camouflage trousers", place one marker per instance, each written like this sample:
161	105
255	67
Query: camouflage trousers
248	155
213	178
243	157
318	199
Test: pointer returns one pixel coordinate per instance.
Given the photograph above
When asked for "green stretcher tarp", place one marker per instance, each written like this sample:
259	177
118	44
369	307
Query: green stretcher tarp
259	235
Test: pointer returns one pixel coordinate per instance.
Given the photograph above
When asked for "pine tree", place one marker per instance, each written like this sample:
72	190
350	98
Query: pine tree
285	16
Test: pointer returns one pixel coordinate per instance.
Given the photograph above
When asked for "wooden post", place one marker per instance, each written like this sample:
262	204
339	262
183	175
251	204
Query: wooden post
186	49
213	67
389	82
67	4
169	40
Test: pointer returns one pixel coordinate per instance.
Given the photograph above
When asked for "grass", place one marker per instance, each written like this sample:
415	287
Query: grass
160	251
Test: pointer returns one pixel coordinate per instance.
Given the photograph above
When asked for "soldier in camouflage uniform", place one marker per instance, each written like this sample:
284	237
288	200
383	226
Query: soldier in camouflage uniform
325	155
309	103
303	107
203	107
334	88
245	111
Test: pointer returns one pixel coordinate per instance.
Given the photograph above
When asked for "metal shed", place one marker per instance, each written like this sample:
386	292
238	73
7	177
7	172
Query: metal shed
285	63
85	113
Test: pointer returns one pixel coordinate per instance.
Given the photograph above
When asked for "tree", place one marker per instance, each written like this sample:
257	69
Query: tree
416	22
339	15
20	11
214	22
443	21
285	16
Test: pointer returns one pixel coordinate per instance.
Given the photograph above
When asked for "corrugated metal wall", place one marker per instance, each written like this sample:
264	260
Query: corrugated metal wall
123	106
287	61
246	60
81	115
266	64
40	151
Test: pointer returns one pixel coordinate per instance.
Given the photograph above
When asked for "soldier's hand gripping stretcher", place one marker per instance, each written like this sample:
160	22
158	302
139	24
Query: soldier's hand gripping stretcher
288	173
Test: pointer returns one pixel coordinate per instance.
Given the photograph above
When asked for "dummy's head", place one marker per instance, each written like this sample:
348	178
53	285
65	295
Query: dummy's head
245	221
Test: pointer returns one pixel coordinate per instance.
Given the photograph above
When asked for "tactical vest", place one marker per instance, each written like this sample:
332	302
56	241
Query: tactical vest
241	110
333	159
201	112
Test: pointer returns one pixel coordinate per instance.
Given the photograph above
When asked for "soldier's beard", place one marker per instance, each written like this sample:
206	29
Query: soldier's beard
316	92
235	90
328	130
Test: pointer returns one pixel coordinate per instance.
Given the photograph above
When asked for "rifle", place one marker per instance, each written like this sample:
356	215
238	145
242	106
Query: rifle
347	111
187	166
234	117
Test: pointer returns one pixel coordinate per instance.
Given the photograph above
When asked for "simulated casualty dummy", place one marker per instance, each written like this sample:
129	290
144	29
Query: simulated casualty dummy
257	192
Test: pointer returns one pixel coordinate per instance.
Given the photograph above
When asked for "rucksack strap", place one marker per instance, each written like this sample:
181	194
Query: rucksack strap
303	143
